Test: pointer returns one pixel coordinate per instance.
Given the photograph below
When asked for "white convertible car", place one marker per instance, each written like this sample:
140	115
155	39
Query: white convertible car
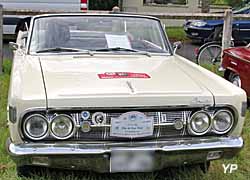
106	92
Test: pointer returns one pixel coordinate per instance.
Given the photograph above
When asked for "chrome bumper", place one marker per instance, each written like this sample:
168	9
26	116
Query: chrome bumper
96	155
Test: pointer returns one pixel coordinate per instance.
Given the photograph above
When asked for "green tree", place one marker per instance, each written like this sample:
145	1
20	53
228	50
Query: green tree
102	4
235	3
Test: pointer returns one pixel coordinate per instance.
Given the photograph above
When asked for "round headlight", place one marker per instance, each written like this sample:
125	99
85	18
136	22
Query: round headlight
198	23
222	121
199	123
36	127
62	126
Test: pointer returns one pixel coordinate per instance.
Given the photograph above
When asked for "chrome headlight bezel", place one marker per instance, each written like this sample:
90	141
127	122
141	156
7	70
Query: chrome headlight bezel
231	123
192	131
72	131
28	134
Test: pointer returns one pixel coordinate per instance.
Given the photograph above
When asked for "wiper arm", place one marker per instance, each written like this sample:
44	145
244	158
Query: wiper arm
123	49
117	49
62	49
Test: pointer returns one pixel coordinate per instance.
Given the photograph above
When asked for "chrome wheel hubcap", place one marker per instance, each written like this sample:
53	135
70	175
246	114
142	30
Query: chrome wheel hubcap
236	81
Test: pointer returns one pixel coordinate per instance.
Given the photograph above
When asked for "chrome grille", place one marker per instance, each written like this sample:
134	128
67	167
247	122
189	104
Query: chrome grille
163	125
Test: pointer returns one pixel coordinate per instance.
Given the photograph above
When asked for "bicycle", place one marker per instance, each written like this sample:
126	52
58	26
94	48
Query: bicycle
209	55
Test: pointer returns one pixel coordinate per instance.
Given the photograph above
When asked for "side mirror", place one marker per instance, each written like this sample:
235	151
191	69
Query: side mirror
24	35
177	45
22	39
13	46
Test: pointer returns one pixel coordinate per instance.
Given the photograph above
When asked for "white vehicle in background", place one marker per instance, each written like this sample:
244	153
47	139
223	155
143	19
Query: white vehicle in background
11	22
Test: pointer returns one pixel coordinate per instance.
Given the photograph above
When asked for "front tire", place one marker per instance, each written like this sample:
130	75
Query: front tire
205	167
235	79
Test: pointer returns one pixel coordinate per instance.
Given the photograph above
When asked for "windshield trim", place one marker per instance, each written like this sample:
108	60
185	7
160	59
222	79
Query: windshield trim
98	53
162	31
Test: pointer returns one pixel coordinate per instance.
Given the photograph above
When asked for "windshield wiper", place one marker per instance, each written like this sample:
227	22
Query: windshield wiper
63	49
123	49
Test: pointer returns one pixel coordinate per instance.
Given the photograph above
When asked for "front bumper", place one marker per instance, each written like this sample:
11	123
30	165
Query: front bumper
96	155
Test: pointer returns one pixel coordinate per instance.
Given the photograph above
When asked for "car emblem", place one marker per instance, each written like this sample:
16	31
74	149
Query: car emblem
99	118
133	117
85	115
85	126
178	124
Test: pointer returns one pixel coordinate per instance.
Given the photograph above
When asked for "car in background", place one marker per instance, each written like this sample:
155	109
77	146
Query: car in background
236	63
12	22
106	92
211	30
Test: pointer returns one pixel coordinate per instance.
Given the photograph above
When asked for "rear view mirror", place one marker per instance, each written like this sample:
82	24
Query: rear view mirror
22	39
24	35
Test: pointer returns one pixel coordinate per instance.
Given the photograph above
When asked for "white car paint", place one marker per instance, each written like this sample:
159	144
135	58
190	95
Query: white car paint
72	81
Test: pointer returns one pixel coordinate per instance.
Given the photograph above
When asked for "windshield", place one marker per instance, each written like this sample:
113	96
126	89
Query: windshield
97	33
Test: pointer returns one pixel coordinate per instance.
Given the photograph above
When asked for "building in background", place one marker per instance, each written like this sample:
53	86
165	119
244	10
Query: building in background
162	6
167	5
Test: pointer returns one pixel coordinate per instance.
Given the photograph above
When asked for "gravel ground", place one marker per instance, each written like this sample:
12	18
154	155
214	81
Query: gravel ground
187	50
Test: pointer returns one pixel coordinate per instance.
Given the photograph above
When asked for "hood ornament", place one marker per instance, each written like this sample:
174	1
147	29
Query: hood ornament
197	100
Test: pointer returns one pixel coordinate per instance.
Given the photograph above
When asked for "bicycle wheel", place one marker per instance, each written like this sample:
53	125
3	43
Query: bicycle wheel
209	56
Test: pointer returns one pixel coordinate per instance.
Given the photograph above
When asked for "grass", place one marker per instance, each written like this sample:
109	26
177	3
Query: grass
8	169
213	68
176	34
219	2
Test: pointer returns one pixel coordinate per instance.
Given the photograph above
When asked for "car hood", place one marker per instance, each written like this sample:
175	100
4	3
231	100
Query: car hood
74	81
239	52
214	22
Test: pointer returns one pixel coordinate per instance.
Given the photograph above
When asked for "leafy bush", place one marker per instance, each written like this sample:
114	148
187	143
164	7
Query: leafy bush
233	3
102	5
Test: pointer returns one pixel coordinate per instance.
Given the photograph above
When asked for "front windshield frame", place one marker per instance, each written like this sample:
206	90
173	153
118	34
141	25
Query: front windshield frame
163	34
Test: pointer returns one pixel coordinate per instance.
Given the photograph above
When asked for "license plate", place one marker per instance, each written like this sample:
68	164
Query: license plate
131	161
194	34
132	125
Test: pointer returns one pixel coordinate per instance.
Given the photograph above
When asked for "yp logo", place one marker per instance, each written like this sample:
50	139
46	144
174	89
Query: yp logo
229	168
